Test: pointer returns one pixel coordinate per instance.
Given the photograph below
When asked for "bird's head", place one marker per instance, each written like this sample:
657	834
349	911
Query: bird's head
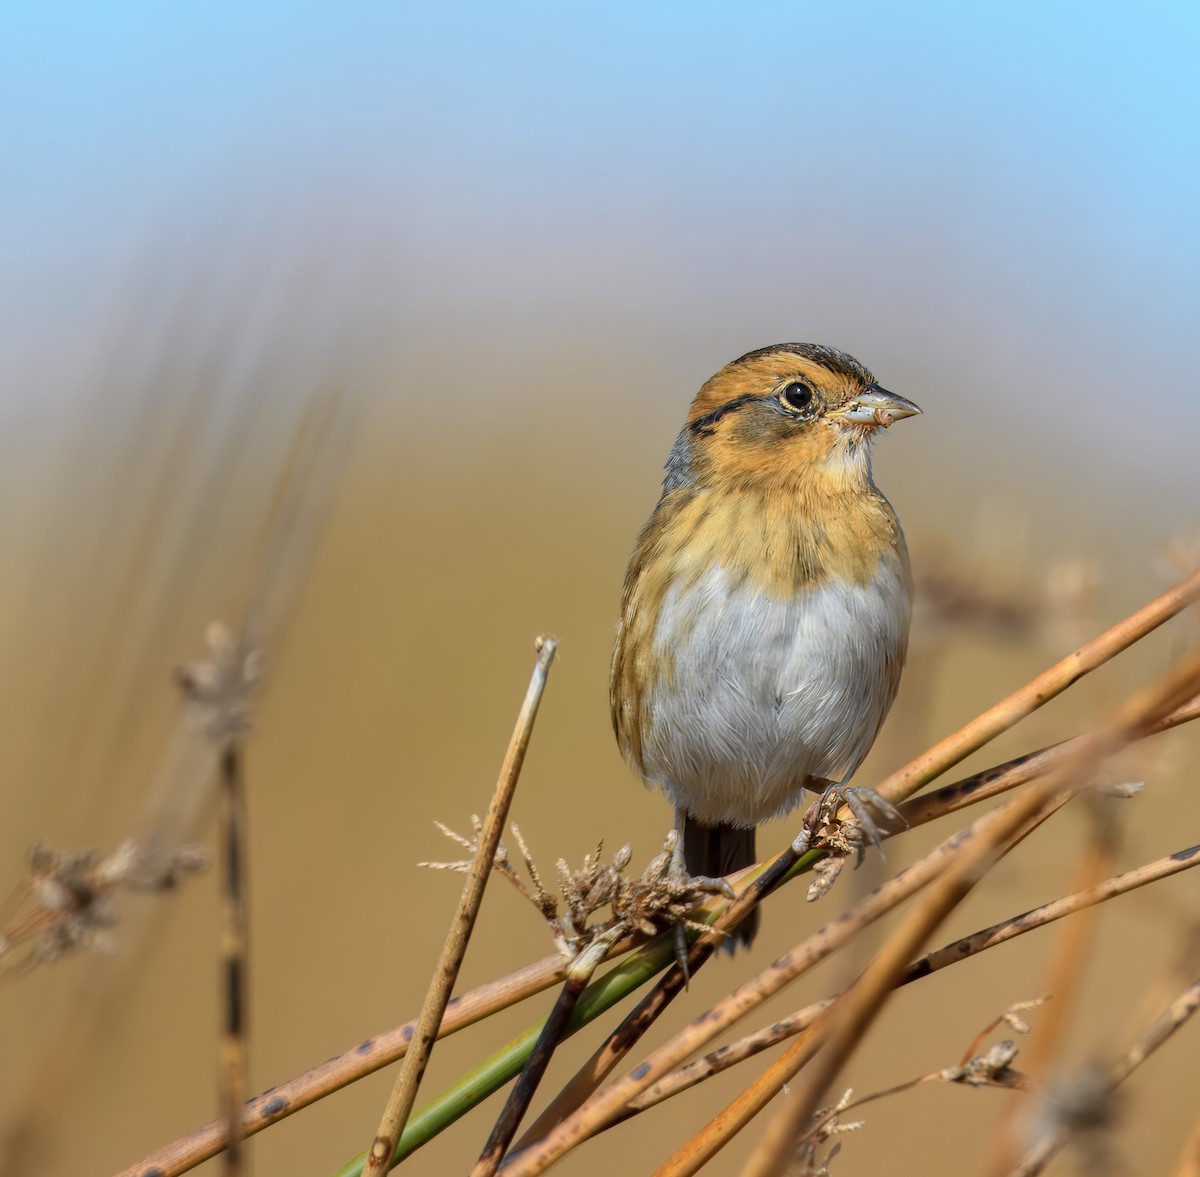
794	409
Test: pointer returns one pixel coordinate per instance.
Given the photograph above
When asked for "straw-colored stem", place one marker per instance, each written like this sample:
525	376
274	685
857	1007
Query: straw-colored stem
991	782
553	1032
404	1093
234	956
1135	719
1063	978
856	1010
609	1102
1050	683
1174	1016
1189	1160
962	948
726	1124
293	1095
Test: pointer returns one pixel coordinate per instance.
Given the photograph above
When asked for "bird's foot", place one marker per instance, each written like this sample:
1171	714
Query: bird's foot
684	884
861	802
695	885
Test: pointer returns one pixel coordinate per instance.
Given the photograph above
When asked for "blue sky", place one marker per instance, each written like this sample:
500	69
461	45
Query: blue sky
1040	154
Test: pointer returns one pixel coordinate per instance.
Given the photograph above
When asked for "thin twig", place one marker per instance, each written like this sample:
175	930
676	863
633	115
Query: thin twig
991	782
609	1102
234	954
1064	975
635	1024
509	1120
1143	710
404	1093
1189	1160
380	1050
961	948
731	1120
216	693
998	719
1174	1016
857	1009
366	1058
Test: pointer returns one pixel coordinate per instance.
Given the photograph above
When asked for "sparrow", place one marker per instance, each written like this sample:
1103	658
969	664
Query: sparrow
766	607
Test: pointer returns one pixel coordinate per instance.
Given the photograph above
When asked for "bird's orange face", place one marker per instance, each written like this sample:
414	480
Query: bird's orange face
785	410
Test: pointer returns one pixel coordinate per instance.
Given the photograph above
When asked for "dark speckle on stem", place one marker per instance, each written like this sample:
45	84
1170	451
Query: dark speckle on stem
640	1071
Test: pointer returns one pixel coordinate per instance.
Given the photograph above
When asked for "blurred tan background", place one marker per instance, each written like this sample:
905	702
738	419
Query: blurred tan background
508	248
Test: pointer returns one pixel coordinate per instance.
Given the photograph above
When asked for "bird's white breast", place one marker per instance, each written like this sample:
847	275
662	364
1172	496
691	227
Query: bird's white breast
767	692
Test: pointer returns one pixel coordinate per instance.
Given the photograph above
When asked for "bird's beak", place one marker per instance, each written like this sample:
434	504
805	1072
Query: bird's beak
877	406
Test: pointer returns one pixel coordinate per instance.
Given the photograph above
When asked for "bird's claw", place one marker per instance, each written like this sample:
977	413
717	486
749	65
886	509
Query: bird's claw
860	801
711	886
704	883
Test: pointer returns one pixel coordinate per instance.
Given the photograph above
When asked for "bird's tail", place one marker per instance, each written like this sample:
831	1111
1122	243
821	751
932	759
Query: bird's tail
717	851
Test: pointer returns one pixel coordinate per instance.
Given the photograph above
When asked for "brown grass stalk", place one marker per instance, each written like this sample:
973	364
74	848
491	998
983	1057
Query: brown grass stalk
1189	1160
369	1056
910	779
702	1147
380	1050
1170	1020
1136	718
1063	978
404	1093
856	1010
609	1102
234	955
991	782
578	975
962	948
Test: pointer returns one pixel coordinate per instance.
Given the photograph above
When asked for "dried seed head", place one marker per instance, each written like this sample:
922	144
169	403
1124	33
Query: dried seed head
68	901
217	688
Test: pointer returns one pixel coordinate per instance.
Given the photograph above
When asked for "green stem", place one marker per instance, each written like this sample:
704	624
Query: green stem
601	995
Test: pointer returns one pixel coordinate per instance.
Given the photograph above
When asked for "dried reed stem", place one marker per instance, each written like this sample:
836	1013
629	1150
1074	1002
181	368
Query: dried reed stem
1189	1160
726	1124
1064	974
635	1024
404	1093
553	1031
366	1058
856	1010
683	1078
1174	1016
234	955
376	1052
608	1103
967	847
1050	683
991	782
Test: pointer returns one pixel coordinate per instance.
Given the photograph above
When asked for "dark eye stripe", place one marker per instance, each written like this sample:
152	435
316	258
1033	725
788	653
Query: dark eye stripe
705	424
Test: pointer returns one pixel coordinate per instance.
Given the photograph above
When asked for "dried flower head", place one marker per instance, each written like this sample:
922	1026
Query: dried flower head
217	689
599	898
67	902
807	1162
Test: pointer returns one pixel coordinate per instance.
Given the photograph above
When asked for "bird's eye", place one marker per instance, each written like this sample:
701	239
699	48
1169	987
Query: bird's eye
797	395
